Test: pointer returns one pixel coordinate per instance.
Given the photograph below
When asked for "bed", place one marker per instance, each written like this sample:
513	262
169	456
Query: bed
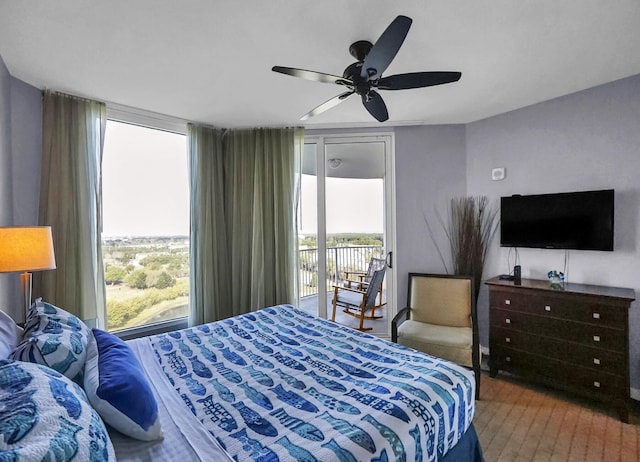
278	384
282	384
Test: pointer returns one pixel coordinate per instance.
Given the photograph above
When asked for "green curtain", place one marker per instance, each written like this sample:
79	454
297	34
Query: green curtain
209	281
255	197
70	202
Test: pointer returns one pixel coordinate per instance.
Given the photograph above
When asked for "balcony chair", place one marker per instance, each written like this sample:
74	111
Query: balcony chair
360	280
360	301
440	320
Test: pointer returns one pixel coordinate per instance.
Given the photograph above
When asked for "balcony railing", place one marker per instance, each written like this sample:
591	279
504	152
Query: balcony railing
339	261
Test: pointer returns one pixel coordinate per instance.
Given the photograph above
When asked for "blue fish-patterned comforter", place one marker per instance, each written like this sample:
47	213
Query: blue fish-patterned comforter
282	384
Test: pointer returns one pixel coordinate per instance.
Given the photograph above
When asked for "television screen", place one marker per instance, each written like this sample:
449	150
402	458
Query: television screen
575	220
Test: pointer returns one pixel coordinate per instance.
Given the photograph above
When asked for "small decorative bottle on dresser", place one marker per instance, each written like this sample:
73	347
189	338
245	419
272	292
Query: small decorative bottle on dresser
574	337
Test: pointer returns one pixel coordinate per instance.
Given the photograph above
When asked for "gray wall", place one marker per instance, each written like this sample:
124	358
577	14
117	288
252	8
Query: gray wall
584	141
430	165
26	146
7	286
20	159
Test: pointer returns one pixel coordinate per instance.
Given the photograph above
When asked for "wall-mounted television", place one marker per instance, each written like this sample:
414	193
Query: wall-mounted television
572	220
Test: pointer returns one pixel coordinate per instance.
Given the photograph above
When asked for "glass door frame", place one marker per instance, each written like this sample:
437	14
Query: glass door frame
388	139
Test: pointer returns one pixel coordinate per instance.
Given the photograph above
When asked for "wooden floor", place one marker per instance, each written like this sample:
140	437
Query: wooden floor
516	421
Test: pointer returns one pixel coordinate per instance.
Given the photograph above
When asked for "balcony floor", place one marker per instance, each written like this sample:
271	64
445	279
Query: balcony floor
309	303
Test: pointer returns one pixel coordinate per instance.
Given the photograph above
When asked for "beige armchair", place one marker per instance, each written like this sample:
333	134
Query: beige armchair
440	320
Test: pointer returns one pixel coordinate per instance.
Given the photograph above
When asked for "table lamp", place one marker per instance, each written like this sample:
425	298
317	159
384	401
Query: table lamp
25	249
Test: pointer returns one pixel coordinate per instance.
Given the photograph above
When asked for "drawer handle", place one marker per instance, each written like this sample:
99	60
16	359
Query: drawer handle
507	302
508	321
596	384
547	308
596	338
596	361
596	315
508	359
508	340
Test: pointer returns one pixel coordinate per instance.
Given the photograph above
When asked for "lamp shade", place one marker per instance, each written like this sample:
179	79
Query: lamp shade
26	249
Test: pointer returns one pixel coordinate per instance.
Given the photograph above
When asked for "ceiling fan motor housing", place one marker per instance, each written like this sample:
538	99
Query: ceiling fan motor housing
361	85
360	49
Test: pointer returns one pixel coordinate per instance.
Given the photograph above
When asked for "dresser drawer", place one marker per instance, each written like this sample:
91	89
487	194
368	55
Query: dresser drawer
584	356
559	372
586	334
584	309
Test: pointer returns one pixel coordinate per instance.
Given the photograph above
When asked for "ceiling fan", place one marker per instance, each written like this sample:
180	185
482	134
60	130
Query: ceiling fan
365	76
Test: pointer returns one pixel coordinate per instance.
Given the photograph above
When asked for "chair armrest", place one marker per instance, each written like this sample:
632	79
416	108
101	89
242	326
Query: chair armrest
349	289
351	280
403	314
357	273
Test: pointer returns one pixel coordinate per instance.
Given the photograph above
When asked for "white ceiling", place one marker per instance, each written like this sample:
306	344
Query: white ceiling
210	61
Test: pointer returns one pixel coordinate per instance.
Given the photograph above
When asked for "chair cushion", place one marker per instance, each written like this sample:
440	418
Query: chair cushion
451	343
442	301
346	297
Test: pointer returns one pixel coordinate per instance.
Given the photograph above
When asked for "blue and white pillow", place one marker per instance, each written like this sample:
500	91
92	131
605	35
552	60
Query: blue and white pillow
55	338
117	388
45	416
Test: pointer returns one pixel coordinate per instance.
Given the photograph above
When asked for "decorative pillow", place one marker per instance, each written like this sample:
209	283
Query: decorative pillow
45	416
118	389
55	338
40	309
10	335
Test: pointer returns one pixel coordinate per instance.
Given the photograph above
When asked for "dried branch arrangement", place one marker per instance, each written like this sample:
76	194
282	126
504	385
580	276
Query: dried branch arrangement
470	226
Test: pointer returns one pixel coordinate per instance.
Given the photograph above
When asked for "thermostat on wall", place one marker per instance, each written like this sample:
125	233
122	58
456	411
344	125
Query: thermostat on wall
498	174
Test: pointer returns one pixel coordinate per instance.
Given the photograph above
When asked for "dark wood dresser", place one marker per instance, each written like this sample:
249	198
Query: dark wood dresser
574	336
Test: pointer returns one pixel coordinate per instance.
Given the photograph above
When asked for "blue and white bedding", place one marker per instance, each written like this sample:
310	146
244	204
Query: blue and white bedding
281	384
45	416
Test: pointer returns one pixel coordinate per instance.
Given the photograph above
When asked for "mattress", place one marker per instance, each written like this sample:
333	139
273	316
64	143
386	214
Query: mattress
282	384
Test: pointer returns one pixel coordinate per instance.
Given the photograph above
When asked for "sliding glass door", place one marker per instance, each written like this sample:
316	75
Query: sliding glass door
345	219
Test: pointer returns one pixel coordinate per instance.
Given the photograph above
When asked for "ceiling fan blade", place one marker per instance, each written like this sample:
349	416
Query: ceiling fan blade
417	80
312	75
375	105
327	105
386	48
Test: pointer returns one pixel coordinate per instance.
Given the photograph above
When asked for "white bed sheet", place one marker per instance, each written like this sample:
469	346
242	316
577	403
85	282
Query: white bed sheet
185	438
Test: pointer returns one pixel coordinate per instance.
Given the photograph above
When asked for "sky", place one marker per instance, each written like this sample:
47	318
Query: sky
352	205
145	189
145	184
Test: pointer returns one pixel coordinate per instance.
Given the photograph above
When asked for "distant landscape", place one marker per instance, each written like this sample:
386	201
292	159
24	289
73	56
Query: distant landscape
346	252
147	278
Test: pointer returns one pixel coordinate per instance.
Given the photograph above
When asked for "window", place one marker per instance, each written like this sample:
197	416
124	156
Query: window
145	236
